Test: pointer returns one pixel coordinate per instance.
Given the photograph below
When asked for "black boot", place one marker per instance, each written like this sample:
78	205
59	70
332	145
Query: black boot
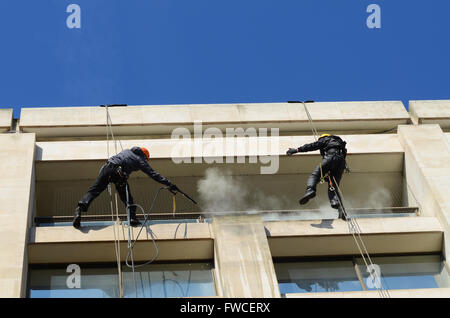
77	218
310	193
335	203
134	220
342	214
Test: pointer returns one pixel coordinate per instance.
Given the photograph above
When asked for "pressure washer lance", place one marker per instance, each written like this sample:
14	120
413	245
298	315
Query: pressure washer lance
184	194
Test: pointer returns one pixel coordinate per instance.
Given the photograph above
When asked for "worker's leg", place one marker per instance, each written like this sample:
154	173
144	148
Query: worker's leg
336	172
96	188
94	191
313	180
122	189
333	194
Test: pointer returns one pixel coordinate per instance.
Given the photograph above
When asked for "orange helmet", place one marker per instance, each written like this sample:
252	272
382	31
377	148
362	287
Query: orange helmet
145	151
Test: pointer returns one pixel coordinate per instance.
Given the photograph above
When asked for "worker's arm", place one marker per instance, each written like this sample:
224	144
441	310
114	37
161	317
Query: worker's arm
145	167
319	144
308	147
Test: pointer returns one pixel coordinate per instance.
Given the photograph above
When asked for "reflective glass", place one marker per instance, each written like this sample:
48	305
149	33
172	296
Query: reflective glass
393	272
405	272
327	276
155	280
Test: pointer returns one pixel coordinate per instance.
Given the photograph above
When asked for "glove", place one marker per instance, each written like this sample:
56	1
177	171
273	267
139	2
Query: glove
291	151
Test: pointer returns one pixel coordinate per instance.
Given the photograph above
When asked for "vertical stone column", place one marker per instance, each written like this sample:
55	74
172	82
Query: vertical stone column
243	260
16	206
427	172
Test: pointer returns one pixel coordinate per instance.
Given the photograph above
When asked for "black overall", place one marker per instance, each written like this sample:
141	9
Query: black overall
117	171
332	148
109	173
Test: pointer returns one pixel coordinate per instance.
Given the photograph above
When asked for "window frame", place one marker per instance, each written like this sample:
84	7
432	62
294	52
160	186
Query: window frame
356	266
112	265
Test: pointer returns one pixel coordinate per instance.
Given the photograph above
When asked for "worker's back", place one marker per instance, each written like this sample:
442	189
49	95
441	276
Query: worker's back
129	159
333	142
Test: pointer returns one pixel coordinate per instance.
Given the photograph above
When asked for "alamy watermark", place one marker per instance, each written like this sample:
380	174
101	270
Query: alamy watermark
211	146
374	19
73	21
374	279
74	279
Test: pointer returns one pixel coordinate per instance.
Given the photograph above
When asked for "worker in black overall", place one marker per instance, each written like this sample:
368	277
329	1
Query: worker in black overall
333	151
117	170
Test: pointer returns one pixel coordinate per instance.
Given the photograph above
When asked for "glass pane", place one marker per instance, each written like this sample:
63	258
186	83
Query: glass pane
94	282
155	280
305	277
405	272
174	280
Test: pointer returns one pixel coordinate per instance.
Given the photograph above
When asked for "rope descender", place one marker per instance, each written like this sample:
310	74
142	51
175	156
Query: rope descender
322	178
330	184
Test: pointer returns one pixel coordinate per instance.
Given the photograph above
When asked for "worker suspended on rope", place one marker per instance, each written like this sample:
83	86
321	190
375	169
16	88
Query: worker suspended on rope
333	151
117	170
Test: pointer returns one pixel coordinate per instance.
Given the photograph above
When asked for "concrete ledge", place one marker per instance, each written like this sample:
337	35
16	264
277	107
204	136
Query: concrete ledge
83	170
6	117
67	234
157	119
195	241
184	241
380	236
241	146
430	112
82	159
400	293
188	250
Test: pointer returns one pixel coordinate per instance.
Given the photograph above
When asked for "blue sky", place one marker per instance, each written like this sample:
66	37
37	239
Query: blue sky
147	52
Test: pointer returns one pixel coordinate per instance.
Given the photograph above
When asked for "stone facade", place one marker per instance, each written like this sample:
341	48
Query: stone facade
51	148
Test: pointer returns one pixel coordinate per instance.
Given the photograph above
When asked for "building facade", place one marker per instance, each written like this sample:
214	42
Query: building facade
248	236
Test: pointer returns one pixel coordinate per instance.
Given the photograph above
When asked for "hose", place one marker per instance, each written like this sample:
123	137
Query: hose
146	217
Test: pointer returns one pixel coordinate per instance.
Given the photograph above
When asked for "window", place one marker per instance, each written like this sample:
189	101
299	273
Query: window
397	272
408	272
305	277
152	281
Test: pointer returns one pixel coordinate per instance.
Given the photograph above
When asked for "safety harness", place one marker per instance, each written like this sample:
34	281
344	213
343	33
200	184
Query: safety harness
340	151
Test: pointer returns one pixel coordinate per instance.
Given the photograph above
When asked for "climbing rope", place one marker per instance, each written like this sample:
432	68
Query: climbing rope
353	225
316	137
116	240
311	123
117	220
356	231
